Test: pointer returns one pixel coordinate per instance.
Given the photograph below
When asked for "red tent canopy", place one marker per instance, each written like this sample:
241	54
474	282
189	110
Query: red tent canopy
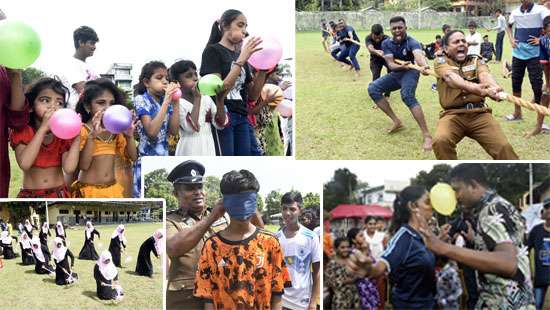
343	211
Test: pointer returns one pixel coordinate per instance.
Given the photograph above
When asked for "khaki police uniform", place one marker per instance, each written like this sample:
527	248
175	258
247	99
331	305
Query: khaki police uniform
181	274
465	114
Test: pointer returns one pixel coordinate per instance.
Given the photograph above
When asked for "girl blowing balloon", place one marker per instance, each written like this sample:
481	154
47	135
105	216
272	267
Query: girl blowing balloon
197	113
98	147
42	156
224	57
158	111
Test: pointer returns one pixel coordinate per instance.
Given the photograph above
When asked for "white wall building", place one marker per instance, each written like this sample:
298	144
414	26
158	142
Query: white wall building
383	195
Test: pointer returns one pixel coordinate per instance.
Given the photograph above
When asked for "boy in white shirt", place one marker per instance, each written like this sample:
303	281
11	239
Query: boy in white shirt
474	39
302	256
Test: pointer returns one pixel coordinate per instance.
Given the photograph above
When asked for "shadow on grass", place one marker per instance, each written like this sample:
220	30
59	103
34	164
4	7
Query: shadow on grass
133	273
49	280
93	295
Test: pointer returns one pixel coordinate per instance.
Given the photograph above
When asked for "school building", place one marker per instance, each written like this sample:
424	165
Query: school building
103	212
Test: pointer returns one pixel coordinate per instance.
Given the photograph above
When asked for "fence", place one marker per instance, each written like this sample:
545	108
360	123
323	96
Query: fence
429	19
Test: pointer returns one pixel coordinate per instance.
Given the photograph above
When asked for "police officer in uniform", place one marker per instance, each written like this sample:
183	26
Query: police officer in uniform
464	82
187	228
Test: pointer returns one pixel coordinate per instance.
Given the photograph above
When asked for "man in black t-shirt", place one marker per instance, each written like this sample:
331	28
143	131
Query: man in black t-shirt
539	239
374	44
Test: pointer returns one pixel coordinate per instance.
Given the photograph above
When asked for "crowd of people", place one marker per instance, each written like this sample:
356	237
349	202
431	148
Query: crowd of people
478	259
462	93
239	120
223	258
35	250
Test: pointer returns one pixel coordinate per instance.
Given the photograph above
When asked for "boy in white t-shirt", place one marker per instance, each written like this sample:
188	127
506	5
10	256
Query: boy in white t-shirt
78	72
302	256
474	39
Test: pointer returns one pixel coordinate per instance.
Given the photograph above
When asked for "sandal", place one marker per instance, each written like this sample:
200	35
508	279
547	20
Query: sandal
512	118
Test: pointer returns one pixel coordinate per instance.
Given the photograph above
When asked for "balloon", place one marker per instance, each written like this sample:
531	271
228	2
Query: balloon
65	124
270	89
285	108
176	95
117	118
443	198
210	84
20	44
269	56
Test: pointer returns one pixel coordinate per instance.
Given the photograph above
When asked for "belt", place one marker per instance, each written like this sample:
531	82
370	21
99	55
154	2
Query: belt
470	106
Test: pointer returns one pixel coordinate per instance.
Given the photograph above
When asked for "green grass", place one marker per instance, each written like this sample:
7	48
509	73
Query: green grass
23	288
335	118
16	175
272	228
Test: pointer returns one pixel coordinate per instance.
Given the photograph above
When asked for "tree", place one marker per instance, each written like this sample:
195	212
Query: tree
439	173
260	203
157	186
311	200
31	74
212	190
273	203
340	189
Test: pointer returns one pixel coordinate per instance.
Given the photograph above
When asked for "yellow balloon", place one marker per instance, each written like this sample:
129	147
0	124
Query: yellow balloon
443	198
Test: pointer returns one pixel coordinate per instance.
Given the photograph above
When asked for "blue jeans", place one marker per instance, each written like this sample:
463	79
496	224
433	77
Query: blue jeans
351	52
235	139
406	80
540	294
335	52
499	45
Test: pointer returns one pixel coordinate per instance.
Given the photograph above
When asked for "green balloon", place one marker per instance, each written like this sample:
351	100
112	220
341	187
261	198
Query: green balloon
210	84
20	44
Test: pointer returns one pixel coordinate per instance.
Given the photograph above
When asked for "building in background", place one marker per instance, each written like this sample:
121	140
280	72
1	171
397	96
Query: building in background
103	212
121	75
382	195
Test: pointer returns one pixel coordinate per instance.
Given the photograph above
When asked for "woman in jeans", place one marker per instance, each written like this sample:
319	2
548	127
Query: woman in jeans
226	56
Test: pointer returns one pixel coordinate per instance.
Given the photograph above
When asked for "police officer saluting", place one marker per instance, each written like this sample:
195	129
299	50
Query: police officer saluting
187	229
463	83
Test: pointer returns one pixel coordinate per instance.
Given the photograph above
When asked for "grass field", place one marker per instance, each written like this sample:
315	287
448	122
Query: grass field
335	118
23	288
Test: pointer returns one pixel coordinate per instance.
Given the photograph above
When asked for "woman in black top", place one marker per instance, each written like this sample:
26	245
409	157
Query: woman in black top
44	233
41	257
118	241
60	232
28	228
144	267
88	250
106	278
26	249
63	270
6	243
226	56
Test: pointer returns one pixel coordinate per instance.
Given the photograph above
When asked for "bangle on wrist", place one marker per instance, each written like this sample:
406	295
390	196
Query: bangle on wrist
237	63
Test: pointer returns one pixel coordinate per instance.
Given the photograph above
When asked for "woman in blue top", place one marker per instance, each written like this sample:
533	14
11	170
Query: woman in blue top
411	266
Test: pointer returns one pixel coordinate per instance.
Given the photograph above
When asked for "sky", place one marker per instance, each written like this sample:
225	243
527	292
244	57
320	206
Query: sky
140	31
304	175
273	173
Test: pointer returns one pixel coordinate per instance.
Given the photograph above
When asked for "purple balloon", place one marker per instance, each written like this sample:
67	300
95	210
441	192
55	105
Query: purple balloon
117	119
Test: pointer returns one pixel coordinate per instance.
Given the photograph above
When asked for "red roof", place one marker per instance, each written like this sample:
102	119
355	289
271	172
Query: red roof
343	211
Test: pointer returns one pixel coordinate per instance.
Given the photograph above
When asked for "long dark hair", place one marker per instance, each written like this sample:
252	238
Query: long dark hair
227	18
38	86
93	89
401	211
146	73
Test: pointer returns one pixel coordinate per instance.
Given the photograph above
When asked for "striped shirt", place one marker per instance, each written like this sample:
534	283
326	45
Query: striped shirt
528	24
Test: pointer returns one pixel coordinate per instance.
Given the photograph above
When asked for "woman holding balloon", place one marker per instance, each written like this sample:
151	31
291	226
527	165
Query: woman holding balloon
197	113
107	131
42	155
227	55
157	107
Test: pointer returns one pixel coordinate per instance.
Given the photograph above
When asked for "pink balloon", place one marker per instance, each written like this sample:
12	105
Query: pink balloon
269	56
65	124
285	108
117	118
176	95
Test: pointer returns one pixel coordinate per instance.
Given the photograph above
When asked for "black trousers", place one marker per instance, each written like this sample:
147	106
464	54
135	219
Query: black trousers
499	45
535	75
